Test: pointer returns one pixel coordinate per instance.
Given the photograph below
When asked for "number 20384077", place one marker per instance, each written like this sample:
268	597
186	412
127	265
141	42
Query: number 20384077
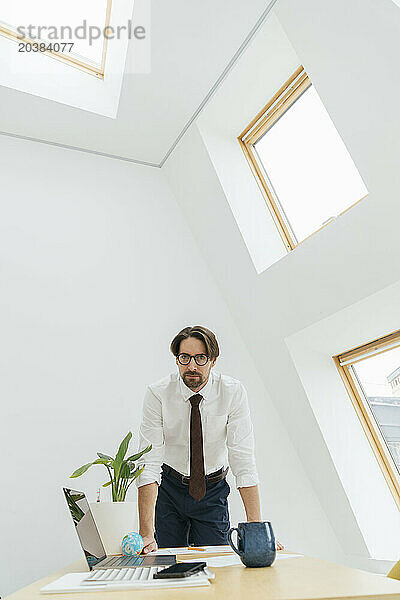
43	47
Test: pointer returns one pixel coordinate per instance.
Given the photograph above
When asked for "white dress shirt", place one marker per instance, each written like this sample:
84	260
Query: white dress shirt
226	423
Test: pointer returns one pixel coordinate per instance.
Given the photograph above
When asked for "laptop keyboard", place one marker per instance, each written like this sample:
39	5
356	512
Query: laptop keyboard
123	561
122	575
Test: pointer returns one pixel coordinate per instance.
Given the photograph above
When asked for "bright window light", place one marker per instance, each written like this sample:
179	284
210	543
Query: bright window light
379	378
309	167
371	374
49	20
301	164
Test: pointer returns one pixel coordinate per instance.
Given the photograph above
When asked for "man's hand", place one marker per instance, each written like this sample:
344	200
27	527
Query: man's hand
149	543
279	545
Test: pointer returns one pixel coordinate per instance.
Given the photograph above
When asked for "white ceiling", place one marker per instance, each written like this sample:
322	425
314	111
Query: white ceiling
35	74
192	43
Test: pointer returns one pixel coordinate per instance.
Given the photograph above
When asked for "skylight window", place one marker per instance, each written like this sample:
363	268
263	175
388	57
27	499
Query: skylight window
302	165
69	31
371	374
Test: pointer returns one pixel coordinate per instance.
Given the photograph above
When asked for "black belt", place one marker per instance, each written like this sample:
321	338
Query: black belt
184	479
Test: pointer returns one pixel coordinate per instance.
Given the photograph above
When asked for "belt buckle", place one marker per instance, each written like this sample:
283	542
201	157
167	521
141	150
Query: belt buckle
185	480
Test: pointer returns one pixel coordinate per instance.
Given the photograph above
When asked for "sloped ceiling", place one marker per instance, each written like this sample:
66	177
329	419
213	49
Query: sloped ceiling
192	45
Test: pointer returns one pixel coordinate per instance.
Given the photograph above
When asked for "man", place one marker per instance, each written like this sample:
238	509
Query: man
194	420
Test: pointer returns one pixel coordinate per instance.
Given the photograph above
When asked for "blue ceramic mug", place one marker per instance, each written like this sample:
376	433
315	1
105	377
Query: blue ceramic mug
256	543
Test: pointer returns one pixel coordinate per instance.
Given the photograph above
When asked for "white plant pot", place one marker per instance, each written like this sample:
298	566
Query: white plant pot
114	520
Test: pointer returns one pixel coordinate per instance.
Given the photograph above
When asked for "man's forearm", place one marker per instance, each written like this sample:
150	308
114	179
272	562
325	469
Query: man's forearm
147	496
251	502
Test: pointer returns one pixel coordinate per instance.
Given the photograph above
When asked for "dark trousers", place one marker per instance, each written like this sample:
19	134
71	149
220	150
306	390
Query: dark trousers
181	520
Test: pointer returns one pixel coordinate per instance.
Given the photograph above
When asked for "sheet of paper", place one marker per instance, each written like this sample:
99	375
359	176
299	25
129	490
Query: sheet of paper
233	559
224	561
219	561
200	550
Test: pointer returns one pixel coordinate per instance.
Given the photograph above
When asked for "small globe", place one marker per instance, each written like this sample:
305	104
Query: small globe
132	544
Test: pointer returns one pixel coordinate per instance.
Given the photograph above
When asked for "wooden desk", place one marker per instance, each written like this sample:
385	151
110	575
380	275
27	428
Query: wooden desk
292	579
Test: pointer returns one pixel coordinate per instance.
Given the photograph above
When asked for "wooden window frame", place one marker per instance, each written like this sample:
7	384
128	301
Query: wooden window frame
82	65
285	97
343	362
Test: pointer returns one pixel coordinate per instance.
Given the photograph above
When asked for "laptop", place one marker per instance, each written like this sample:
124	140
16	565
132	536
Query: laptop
92	545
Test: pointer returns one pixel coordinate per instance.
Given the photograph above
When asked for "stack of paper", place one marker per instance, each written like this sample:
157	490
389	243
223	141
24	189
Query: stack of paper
73	582
203	550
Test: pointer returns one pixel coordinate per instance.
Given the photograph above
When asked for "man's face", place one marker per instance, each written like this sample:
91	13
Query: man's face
193	375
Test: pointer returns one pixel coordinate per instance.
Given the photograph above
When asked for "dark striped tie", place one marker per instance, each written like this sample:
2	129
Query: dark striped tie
197	483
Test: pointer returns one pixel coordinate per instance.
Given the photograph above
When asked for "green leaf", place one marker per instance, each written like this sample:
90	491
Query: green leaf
121	454
139	454
116	465
101	461
124	471
100	455
107	484
124	446
81	470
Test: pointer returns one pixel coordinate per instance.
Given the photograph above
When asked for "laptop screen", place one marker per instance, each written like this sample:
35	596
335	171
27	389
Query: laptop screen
85	526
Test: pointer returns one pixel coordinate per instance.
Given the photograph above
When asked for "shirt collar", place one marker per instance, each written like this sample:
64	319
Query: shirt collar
187	392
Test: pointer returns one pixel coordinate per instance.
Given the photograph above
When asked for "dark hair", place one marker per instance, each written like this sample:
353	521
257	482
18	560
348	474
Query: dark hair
201	333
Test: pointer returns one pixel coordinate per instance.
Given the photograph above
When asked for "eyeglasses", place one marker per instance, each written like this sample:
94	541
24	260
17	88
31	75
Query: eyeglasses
200	359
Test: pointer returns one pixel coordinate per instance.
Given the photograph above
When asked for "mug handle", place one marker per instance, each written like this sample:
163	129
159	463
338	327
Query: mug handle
232	529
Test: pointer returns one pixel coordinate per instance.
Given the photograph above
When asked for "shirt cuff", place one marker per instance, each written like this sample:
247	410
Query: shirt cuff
146	478
246	480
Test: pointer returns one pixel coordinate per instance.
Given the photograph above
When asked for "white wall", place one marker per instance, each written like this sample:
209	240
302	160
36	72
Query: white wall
98	271
242	96
345	47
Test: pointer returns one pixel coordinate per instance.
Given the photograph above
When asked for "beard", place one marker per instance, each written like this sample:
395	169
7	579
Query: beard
193	382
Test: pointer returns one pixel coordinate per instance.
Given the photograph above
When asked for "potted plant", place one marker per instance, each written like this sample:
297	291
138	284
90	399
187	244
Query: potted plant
115	519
